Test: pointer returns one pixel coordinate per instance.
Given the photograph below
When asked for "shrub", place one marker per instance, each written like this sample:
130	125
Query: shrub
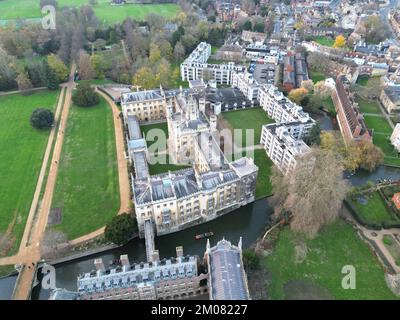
120	229
250	259
387	240
42	118
85	96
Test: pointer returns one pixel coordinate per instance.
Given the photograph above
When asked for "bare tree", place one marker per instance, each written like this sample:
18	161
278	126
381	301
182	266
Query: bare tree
84	66
313	194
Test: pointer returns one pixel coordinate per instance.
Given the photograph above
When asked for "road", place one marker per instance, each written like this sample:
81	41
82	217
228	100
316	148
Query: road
123	177
29	252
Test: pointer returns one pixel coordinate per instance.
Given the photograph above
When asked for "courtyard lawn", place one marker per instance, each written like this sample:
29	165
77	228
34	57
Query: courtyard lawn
367	106
317	76
324	41
22	148
363	80
378	123
297	263
23	9
374	211
87	191
252	119
155	133
158	168
264	164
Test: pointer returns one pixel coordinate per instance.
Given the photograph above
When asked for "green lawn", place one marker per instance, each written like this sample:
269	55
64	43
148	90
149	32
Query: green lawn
252	119
6	270
158	133
367	106
263	186
374	211
379	124
325	41
22	149
158	168
393	247
321	264
11	9
87	188
363	80
316	76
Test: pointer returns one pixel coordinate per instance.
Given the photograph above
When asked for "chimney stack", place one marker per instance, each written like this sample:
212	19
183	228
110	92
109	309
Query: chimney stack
156	256
179	251
99	264
124	260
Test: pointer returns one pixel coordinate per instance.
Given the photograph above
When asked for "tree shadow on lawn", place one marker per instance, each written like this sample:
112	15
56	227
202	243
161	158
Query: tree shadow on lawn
305	290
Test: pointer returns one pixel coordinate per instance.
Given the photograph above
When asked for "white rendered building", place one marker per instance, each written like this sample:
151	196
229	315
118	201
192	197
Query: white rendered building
395	137
194	66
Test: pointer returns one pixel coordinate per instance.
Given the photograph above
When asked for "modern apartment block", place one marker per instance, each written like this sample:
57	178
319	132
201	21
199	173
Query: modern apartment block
246	83
195	65
227	277
282	110
282	141
350	119
282	147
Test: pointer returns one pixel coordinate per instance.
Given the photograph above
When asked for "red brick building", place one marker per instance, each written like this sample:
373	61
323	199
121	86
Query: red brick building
396	200
351	121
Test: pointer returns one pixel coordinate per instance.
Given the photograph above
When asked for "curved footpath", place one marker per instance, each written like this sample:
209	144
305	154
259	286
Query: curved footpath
123	177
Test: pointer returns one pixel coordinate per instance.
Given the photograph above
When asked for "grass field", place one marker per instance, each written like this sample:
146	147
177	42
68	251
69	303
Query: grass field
325	41
22	9
318	263
379	124
317	76
374	211
263	186
158	168
363	80
367	106
22	149
158	134
391	154
6	270
393	247
87	189
252	119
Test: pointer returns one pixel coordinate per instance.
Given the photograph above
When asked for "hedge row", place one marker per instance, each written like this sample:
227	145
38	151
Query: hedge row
367	224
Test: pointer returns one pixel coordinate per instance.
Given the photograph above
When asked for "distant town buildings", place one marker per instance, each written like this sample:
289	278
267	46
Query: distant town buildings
350	120
390	98
395	137
294	70
394	19
250	36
